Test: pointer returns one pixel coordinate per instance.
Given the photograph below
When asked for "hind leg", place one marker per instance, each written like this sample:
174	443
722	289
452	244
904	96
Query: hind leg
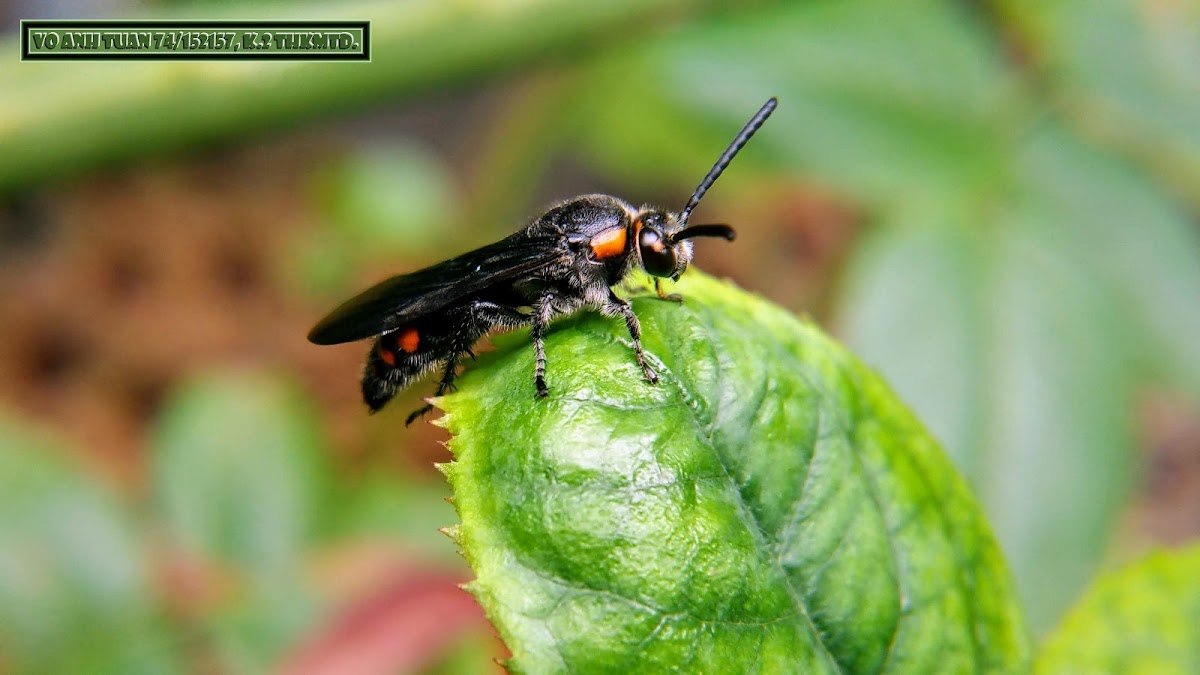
480	317
445	385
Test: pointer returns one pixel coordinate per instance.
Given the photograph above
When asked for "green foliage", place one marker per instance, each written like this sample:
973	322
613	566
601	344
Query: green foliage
241	501
74	583
388	198
238	482
1142	619
1029	174
1125	72
220	438
1031	265
381	202
770	506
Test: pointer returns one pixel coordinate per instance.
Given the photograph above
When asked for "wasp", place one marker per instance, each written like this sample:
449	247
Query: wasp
566	260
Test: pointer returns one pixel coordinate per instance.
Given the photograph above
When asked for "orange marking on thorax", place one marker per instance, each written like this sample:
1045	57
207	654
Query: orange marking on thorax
609	243
408	339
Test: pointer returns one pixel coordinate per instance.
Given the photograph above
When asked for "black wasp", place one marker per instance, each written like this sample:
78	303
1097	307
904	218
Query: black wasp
567	259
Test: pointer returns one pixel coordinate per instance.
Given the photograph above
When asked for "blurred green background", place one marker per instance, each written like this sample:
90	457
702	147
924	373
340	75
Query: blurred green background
992	202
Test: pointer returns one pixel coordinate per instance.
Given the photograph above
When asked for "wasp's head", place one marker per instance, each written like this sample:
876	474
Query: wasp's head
663	248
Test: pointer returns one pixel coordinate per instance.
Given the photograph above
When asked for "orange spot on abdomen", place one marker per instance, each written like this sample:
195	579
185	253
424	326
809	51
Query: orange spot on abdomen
408	339
609	243
388	356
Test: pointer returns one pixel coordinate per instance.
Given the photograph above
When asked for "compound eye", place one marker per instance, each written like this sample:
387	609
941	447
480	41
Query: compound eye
657	257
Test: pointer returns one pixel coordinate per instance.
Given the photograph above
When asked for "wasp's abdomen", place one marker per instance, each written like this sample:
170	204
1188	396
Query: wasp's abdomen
400	357
396	360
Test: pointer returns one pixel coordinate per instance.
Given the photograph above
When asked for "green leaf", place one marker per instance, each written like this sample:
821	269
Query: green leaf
1125	71
397	507
1019	282
1142	619
890	102
1140	243
1036	322
238	481
75	589
1009	346
770	506
235	470
395	197
909	273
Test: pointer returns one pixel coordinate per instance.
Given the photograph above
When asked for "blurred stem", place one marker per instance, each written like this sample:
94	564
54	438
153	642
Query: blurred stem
62	117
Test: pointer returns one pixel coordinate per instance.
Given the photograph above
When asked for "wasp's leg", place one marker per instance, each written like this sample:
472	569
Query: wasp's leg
634	285
447	384
617	306
543	311
674	297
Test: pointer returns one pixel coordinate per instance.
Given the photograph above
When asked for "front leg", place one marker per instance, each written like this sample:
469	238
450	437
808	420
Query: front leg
674	297
543	311
616	306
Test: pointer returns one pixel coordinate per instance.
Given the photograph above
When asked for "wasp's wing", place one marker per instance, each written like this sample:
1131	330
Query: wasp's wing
393	301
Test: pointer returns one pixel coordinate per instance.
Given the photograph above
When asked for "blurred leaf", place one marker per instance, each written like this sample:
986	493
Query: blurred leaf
75	594
388	197
236	472
890	102
238	480
1145	251
1005	337
251	635
406	510
769	506
1127	72
1142	619
476	653
323	262
1057	435
914	305
410	623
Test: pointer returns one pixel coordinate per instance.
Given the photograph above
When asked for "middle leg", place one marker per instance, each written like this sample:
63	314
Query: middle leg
543	311
617	306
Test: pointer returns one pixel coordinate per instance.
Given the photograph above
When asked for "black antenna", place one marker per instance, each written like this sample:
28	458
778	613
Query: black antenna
726	157
724	231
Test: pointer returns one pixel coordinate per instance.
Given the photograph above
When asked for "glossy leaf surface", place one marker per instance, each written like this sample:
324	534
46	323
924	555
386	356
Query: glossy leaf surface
769	507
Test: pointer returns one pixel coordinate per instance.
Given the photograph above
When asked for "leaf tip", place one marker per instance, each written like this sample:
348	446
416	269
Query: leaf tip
453	532
439	402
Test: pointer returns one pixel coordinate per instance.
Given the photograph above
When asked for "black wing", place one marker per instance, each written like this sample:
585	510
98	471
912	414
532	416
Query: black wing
393	301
